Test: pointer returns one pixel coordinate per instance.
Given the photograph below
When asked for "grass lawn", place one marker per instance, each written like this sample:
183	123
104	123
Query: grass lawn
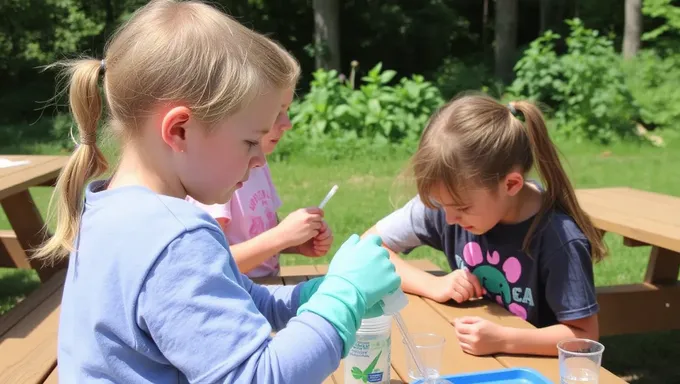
368	192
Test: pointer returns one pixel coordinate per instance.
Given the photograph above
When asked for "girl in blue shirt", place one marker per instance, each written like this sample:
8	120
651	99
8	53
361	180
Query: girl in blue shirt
152	293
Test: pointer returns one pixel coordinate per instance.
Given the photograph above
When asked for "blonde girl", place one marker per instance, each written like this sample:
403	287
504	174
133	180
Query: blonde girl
251	223
152	293
528	248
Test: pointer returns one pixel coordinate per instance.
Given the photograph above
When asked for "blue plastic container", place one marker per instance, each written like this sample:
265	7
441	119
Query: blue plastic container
506	376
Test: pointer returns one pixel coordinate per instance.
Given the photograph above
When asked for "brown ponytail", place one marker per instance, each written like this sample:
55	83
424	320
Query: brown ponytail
559	191
86	162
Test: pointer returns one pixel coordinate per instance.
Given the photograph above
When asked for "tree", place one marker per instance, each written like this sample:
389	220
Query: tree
327	34
633	28
506	38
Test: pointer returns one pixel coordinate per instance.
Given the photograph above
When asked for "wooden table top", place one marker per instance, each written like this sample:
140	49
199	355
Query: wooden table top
424	315
40	169
647	217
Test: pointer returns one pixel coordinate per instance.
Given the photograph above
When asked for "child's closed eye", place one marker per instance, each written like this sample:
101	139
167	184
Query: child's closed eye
252	144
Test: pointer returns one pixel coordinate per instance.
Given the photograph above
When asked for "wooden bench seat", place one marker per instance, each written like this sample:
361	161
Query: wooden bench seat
12	255
28	335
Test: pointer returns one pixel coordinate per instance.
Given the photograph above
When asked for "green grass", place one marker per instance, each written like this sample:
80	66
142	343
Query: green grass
368	192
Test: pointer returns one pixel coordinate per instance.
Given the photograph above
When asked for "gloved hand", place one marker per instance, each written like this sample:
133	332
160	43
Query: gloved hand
308	288
359	275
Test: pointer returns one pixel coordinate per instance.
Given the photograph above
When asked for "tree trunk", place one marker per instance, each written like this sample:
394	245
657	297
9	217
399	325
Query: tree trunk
633	28
506	38
327	34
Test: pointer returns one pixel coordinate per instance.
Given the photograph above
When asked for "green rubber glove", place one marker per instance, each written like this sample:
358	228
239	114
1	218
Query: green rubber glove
358	277
308	288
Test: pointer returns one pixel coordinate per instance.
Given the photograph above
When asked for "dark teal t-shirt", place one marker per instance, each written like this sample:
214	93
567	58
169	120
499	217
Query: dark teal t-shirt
554	284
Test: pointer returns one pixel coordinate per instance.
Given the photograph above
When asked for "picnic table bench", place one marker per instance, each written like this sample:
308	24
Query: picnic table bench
28	333
643	219
16	245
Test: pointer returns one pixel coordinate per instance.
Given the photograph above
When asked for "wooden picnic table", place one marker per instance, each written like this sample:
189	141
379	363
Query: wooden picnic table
28	334
643	219
425	315
27	223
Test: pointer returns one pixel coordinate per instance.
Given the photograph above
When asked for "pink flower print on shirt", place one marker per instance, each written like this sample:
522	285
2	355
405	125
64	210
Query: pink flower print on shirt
256	226
497	284
271	219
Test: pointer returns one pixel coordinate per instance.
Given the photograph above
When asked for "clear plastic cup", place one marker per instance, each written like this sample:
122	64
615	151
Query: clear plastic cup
580	361
430	348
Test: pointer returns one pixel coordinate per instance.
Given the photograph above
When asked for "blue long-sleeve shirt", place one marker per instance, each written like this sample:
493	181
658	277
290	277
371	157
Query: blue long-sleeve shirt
153	295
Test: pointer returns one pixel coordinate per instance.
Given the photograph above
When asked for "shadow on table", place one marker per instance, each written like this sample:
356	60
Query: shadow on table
644	358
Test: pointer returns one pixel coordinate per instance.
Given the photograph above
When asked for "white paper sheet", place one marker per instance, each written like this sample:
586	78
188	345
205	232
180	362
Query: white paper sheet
6	163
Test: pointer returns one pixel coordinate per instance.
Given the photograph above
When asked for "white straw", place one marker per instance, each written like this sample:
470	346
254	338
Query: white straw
328	196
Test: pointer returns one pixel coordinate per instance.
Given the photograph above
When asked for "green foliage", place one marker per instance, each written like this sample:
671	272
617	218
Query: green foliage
585	86
334	117
653	81
664	10
455	76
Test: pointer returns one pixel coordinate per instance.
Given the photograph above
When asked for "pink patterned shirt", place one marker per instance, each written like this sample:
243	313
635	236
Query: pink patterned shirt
250	212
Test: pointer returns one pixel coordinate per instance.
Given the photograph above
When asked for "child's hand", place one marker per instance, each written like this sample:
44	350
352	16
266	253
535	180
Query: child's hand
324	240
318	245
479	336
460	285
301	225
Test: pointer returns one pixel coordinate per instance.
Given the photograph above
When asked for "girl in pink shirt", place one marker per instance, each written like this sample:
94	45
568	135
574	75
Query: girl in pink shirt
250	222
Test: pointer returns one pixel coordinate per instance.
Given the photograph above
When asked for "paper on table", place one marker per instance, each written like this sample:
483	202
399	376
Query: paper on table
6	163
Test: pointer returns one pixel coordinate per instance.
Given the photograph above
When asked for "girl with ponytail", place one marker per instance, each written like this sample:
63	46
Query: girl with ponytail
527	246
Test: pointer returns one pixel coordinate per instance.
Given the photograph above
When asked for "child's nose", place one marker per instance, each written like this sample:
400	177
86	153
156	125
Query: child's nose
452	218
258	160
286	124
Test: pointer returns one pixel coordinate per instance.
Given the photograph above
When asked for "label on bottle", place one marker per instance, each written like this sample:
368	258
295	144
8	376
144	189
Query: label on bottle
369	360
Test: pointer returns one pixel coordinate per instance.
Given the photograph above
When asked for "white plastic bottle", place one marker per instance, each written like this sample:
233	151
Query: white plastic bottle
369	359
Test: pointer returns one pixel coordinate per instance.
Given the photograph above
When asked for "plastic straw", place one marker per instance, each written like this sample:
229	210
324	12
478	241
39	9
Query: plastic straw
328	196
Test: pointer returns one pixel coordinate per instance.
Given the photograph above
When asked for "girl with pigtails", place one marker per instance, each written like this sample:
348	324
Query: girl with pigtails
153	293
526	246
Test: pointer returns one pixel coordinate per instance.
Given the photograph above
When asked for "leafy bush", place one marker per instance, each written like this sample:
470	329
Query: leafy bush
455	76
585	87
375	115
653	81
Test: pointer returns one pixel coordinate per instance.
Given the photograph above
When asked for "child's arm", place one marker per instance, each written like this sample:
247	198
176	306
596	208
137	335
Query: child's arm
413	280
412	226
478	336
295	229
204	322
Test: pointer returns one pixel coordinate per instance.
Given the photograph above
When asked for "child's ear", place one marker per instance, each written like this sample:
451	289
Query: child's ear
513	183
174	127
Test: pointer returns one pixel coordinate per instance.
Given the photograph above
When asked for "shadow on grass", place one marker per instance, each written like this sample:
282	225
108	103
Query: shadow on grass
15	284
644	358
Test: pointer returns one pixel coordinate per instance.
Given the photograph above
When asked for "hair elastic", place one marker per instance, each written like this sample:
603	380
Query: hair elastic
512	109
102	65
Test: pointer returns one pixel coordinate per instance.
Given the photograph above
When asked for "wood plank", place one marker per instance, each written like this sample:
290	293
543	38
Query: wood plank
268	280
12	255
394	377
28	351
53	378
295	274
628	242
330	380
655	308
27	223
298	270
650	205
621	221
548	366
41	170
663	266
421	317
31	302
